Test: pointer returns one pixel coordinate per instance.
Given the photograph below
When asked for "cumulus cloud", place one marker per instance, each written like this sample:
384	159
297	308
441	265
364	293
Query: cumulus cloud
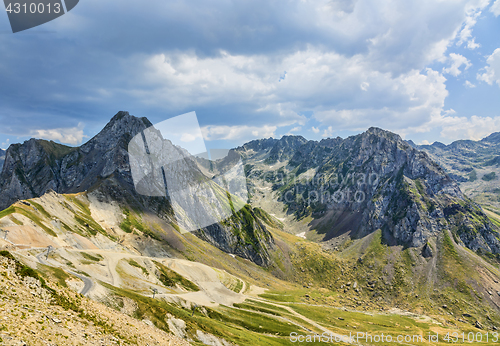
468	84
492	74
495	8
324	83
456	61
240	133
475	128
409	101
315	129
362	63
72	136
473	11
294	130
328	132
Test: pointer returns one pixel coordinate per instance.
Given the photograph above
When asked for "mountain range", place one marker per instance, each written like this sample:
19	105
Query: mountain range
367	222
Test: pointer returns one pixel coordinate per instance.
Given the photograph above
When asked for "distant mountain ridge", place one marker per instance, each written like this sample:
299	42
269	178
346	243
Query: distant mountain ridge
459	158
413	199
475	165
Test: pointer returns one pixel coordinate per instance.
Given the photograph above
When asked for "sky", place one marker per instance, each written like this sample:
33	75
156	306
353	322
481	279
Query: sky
428	70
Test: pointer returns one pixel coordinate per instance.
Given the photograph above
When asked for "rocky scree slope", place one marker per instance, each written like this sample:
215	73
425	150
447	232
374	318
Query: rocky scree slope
40	314
372	181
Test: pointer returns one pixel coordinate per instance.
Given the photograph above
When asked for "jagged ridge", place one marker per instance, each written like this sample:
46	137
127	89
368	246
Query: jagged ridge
376	180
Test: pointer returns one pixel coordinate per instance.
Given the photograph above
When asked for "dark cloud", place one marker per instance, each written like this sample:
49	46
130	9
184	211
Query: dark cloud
339	56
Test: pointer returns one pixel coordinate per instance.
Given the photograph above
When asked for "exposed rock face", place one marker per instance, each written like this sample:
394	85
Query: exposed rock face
284	148
376	180
37	166
243	234
2	158
493	138
475	165
356	185
461	156
260	144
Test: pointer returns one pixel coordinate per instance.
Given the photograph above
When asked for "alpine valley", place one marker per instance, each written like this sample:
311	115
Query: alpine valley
366	235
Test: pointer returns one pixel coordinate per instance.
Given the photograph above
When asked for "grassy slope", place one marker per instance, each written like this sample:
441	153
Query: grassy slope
321	283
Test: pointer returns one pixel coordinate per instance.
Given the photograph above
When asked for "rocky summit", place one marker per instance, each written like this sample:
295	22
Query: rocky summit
37	166
372	181
367	234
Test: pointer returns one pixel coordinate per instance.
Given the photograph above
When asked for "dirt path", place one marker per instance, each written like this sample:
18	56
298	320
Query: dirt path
212	291
87	282
302	317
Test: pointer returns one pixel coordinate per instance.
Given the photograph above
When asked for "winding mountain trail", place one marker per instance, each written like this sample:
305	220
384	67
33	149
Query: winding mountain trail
88	283
302	317
212	290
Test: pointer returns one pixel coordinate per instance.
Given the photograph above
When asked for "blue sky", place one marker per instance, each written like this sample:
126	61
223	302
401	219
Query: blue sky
428	70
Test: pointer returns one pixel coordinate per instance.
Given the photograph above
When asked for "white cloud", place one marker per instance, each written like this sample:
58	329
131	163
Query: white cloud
408	101
294	130
361	62
328	132
72	135
492	74
240	133
471	44
400	37
424	142
325	83
365	65
475	128
189	137
469	84
473	11
495	8
456	61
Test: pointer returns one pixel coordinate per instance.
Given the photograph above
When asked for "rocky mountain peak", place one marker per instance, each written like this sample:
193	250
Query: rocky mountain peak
258	144
35	166
118	132
493	138
285	147
102	168
439	145
380	133
330	142
376	180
